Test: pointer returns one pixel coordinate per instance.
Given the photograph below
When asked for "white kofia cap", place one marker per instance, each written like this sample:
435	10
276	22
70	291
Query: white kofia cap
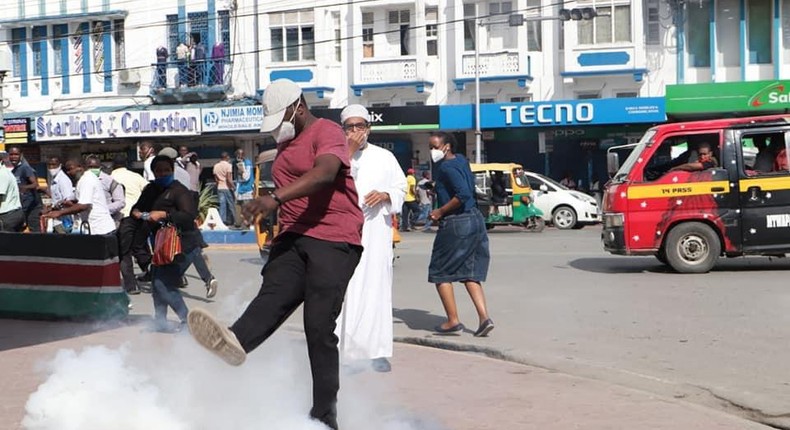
354	111
276	98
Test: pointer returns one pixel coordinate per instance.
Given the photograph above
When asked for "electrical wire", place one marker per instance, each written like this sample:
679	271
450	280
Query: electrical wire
333	40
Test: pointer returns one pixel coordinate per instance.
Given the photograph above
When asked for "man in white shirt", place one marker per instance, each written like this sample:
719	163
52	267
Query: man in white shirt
12	218
113	191
133	183
91	203
61	190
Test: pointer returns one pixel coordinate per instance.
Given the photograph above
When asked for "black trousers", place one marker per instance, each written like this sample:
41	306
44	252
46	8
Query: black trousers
133	242
315	272
32	210
12	221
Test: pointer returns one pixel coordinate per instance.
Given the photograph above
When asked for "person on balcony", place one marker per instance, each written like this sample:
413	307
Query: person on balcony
218	64
182	56
198	64
160	80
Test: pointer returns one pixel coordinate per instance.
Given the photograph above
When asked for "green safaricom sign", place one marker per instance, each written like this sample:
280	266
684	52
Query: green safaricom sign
728	97
774	94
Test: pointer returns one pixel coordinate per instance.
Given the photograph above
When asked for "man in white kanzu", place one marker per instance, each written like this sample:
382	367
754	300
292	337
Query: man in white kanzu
365	323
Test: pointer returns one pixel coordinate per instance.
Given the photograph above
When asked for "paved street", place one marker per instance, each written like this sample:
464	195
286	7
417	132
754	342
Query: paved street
615	328
561	303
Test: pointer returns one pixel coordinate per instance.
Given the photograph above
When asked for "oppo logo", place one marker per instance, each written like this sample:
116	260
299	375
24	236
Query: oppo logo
568	133
559	113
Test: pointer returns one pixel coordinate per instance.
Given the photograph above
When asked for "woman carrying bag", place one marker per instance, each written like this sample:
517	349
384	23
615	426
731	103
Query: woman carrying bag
170	209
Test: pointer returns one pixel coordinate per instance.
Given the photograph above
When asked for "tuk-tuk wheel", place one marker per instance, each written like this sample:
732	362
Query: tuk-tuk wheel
489	226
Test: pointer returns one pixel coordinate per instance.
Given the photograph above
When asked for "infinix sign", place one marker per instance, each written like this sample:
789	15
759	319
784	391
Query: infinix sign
549	114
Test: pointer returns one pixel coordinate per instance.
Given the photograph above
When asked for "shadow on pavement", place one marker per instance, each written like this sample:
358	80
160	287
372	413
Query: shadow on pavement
257	261
22	333
619	265
651	265
417	319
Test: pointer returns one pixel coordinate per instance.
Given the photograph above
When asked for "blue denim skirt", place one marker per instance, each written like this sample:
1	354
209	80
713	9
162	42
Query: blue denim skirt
460	249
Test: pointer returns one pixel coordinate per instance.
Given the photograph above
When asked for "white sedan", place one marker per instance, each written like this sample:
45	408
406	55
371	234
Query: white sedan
562	207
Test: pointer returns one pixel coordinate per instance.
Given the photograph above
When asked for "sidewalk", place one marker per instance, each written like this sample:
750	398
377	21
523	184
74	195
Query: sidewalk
428	388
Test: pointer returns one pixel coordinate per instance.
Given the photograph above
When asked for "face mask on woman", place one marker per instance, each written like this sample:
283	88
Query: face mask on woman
164	181
96	172
437	155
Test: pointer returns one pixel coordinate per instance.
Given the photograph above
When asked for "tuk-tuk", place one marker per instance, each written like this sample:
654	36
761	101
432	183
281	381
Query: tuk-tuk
504	196
265	228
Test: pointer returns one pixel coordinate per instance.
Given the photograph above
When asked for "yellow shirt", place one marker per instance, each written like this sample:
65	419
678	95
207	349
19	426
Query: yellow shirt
411	184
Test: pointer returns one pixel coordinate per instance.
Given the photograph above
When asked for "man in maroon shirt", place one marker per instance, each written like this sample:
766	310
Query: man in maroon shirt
316	252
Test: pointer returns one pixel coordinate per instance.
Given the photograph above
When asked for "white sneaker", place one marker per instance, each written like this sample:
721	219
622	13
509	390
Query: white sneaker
215	337
211	288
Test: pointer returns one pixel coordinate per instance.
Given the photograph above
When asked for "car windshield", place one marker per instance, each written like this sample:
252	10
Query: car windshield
629	162
551	181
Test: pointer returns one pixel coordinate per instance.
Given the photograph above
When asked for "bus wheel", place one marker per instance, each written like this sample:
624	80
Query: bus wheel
692	247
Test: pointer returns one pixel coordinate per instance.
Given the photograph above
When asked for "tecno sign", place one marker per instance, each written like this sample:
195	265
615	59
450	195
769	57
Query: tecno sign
549	113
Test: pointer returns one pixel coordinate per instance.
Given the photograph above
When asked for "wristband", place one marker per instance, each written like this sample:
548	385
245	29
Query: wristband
275	198
145	216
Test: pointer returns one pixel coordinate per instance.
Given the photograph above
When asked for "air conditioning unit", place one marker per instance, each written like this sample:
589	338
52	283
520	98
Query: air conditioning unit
129	77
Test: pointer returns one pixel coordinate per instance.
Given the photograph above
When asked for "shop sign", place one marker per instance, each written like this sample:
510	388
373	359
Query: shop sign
393	118
729	97
104	125
17	130
238	118
556	113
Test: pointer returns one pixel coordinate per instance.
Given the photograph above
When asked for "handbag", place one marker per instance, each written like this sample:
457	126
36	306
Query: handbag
167	244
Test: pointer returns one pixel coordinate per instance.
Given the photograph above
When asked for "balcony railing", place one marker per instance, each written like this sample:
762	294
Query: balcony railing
493	64
374	71
171	81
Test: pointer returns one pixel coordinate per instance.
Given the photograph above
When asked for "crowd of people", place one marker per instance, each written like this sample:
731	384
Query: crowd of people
85	196
336	198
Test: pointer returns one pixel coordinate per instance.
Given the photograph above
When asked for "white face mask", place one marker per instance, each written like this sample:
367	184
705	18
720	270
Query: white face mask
437	155
54	172
286	131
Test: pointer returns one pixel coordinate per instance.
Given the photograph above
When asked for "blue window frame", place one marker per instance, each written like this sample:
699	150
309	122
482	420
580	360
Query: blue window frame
60	55
17	51
698	22
224	30
759	31
39	50
172	35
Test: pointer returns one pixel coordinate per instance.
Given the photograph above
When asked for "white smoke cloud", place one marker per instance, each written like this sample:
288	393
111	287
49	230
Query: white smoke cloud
167	382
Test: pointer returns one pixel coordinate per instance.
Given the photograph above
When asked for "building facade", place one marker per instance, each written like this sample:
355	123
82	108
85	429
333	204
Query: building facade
554	94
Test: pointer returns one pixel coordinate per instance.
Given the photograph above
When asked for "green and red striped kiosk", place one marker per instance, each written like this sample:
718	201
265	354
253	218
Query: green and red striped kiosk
51	276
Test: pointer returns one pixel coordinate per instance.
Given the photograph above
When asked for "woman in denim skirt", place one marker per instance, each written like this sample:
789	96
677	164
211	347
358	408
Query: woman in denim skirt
460	250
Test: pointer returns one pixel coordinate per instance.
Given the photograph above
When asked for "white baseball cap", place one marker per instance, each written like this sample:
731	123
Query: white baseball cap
354	111
169	153
276	98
